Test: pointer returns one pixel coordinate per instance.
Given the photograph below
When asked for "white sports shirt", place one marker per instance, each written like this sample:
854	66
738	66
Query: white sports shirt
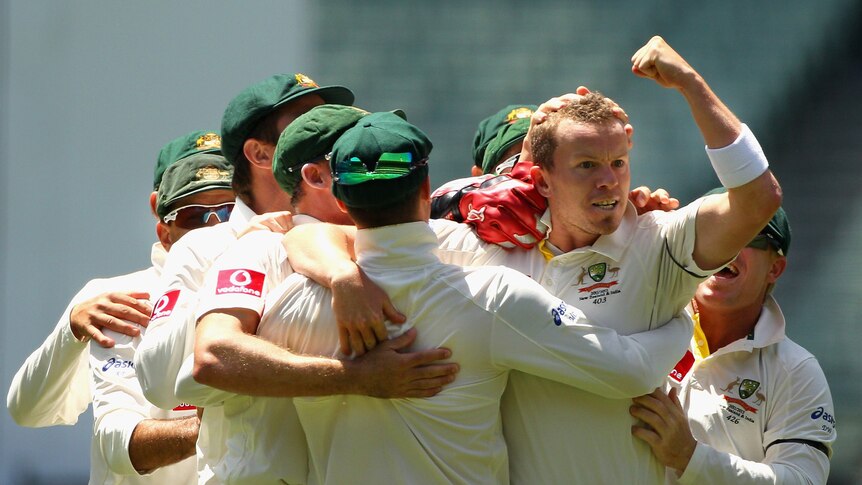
493	320
760	409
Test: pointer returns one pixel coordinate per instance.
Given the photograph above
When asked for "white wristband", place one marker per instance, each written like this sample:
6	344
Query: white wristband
740	162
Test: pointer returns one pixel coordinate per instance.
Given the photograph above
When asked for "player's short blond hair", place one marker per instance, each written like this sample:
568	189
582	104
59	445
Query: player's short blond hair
593	108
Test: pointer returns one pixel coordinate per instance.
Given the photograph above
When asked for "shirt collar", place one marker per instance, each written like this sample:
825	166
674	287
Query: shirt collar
241	213
611	245
158	256
401	245
769	330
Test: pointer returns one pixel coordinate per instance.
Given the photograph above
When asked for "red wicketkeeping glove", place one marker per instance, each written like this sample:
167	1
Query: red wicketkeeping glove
504	210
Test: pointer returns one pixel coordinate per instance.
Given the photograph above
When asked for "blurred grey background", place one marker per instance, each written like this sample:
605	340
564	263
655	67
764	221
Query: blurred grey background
89	92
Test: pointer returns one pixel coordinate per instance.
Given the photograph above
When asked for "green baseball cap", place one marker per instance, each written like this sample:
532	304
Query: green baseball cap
192	175
308	138
776	231
489	127
246	110
381	160
184	146
506	137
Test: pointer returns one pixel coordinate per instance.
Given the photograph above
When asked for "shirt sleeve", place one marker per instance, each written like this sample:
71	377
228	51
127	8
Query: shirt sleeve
118	402
785	463
242	276
52	387
169	338
537	333
458	244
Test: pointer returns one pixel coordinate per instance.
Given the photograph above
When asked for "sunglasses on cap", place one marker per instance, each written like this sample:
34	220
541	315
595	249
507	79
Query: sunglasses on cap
389	166
194	216
763	241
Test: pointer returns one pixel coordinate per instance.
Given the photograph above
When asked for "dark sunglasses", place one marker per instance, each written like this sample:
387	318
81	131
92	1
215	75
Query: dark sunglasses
194	216
762	241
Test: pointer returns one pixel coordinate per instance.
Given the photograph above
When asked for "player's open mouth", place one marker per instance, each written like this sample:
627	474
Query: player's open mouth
728	272
605	204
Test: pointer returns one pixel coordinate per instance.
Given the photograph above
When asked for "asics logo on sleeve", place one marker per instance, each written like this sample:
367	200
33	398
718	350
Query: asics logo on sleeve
242	281
117	363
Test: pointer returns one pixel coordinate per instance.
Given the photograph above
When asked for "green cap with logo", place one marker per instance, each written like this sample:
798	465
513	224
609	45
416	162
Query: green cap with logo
192	175
506	138
184	146
378	162
489	127
249	107
777	230
309	138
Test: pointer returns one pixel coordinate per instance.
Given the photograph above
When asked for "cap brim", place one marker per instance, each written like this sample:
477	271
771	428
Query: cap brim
330	95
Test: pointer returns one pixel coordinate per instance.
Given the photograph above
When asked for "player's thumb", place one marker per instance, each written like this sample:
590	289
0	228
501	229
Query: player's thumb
403	341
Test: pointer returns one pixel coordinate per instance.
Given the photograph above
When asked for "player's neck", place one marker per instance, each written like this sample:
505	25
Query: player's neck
723	326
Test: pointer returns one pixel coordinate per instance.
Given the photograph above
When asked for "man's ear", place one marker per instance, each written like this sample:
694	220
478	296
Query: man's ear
539	181
153	197
779	264
258	153
476	171
164	235
315	175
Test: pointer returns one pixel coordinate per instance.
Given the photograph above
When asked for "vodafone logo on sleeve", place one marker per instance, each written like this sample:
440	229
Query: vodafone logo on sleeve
242	281
165	305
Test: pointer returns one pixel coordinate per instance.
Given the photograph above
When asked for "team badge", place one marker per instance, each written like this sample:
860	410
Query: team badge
747	388
305	81
208	141
518	114
597	271
212	173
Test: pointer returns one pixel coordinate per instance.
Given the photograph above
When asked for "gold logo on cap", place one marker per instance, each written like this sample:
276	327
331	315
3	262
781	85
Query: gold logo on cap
208	141
212	173
305	81
517	114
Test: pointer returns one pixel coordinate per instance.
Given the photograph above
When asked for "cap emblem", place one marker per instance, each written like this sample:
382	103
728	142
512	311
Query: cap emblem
517	114
304	81
208	141
212	173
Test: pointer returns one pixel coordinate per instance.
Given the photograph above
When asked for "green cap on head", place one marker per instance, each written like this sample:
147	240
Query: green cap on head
507	137
192	175
380	161
489	127
777	230
184	146
308	138
250	106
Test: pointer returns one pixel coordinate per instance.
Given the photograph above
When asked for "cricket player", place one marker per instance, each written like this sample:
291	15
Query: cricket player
133	441
746	405
52	386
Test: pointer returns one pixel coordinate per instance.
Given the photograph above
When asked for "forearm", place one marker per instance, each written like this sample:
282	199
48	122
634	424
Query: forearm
718	125
160	442
245	364
320	251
